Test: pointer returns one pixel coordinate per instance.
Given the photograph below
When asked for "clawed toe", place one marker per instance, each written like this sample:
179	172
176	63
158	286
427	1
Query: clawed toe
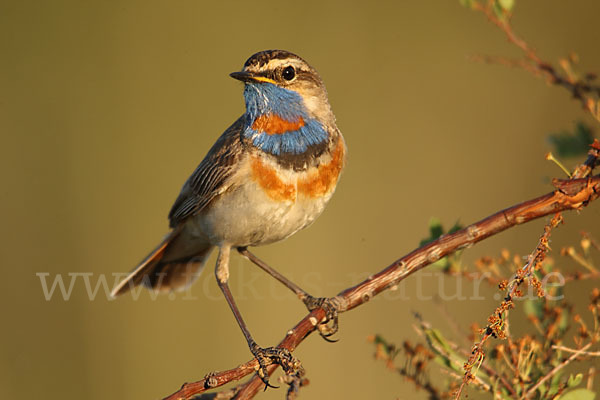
330	325
273	355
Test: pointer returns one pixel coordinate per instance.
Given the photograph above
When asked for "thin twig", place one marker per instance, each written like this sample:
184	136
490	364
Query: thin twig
579	89
579	352
493	373
505	27
554	371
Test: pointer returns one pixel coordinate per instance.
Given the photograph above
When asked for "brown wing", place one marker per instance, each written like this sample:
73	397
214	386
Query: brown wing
209	179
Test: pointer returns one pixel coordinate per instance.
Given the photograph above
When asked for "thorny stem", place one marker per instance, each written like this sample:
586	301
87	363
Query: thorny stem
495	327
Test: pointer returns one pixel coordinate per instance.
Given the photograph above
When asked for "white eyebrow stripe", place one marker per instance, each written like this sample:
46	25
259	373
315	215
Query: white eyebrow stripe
275	63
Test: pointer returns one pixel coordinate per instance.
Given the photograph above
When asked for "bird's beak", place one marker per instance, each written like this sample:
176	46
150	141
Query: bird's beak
248	77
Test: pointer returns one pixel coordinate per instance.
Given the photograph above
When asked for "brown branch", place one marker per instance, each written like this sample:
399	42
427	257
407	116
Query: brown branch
572	195
592	160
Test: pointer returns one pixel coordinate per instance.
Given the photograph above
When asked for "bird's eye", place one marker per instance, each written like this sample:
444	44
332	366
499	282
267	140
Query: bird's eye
288	73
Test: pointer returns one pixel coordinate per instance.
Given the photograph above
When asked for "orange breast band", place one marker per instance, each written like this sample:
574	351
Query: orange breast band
273	186
324	179
275	125
316	183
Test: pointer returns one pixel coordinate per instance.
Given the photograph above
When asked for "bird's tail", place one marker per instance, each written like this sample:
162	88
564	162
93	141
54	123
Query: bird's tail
173	265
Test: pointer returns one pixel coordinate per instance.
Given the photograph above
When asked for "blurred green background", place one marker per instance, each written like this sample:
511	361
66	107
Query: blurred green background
107	106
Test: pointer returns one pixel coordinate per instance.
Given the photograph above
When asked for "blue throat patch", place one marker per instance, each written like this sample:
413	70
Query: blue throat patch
268	99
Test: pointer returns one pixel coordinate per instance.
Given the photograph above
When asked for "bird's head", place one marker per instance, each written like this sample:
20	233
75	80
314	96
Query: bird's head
281	83
287	111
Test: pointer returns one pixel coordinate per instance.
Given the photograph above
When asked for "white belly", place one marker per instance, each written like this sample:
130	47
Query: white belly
246	216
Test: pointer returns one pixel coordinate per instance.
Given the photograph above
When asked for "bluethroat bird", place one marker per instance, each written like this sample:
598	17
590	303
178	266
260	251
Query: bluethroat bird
269	175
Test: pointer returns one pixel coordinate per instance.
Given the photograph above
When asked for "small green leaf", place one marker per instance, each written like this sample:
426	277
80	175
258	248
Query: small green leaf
534	308
456	227
498	10
505	394
578	394
389	348
467	3
445	355
435	231
555	384
574	380
437	337
506	5
542	389
572	144
563	324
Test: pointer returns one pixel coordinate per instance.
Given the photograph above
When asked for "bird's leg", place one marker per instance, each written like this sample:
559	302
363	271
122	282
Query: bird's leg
329	305
264	356
265	267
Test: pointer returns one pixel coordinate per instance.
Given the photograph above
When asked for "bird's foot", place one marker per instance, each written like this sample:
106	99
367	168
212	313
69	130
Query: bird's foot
331	305
295	381
273	355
